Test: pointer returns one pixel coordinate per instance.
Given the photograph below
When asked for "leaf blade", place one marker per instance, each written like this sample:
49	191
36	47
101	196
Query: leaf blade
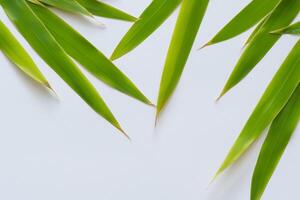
104	10
45	45
87	55
153	16
273	100
293	29
185	32
262	42
18	55
244	20
276	142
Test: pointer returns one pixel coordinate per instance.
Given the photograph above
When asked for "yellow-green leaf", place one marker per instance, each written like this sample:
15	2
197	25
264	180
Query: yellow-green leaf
104	10
273	100
263	41
46	46
186	29
86	54
153	16
293	29
18	55
67	5
248	17
273	148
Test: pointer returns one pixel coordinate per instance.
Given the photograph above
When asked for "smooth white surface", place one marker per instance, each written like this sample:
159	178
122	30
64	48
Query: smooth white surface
62	150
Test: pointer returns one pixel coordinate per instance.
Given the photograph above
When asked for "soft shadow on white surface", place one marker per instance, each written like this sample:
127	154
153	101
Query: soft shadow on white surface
62	150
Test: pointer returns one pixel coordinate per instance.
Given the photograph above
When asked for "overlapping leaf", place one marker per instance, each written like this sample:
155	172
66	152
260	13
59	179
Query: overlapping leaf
86	54
67	5
17	54
248	17
274	99
186	29
278	138
263	41
293	29
99	8
33	30
153	16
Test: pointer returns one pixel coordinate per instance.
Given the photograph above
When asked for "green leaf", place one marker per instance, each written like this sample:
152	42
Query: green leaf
273	148
273	100
255	31
45	45
104	10
187	26
67	5
263	41
154	15
248	17
293	29
86	54
18	55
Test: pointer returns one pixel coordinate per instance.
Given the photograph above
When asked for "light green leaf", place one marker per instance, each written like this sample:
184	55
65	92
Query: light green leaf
67	5
86	54
18	55
104	10
46	46
187	26
263	41
273	148
255	31
248	17
293	29
273	100
154	15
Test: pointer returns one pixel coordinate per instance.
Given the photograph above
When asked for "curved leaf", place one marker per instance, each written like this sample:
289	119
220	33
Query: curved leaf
293	29
273	148
45	45
273	100
86	54
263	41
104	10
154	15
187	26
67	5
248	17
18	55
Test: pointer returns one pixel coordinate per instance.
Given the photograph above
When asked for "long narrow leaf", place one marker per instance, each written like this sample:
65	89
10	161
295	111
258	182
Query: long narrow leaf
67	5
273	100
45	45
18	55
248	17
86	54
263	41
187	26
273	148
293	29
104	10
154	15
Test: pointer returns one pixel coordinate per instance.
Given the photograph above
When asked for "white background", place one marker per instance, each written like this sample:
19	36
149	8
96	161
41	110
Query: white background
62	150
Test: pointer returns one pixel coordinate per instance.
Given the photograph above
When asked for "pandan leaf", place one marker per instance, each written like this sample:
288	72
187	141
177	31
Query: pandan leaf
248	17
293	29
86	54
186	29
273	100
273	148
154	15
18	55
33	30
263	41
